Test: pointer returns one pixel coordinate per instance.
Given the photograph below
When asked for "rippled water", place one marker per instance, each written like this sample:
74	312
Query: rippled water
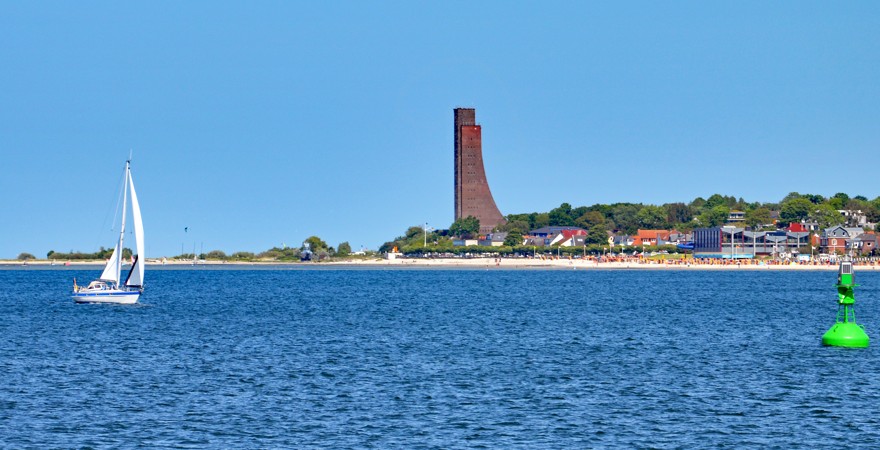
437	359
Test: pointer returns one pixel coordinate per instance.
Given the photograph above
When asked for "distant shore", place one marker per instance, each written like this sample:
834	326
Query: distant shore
466	263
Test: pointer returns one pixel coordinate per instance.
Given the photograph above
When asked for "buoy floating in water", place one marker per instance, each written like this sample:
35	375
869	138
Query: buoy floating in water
846	332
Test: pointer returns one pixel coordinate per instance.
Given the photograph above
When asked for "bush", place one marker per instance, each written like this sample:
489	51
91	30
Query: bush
25	256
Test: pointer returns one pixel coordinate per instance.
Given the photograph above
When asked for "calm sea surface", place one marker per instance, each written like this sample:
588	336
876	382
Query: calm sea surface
437	359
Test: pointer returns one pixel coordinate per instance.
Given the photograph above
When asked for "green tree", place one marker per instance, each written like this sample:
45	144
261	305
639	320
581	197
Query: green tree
466	228
714	217
795	210
839	200
216	255
344	249
597	235
826	216
561	216
513	239
698	203
25	256
540	220
678	213
516	224
758	216
715	200
316	244
652	217
625	216
589	219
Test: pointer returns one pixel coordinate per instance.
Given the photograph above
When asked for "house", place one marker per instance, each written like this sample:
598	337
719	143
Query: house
866	243
575	240
651	237
623	240
736	216
677	237
854	217
837	238
564	237
546	232
494	239
465	242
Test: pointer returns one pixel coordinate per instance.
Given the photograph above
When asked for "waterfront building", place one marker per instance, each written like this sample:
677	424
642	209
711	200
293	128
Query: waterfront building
472	194
736	243
494	239
837	239
866	243
651	237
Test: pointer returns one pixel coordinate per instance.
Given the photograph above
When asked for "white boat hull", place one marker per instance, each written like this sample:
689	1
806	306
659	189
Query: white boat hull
111	296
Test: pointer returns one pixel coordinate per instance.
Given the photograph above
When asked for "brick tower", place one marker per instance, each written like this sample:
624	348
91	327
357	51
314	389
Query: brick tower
472	194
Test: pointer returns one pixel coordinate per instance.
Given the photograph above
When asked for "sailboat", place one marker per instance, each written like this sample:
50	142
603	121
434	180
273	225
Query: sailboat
110	287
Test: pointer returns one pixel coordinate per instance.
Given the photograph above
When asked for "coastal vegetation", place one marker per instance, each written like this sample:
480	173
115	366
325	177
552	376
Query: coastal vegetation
601	220
103	253
627	218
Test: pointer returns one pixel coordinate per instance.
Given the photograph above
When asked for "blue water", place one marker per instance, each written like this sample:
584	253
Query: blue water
437	359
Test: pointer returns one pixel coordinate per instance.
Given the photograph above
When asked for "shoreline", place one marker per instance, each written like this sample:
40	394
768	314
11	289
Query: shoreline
455	263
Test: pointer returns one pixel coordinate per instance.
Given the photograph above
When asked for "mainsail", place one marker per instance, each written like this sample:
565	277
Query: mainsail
136	276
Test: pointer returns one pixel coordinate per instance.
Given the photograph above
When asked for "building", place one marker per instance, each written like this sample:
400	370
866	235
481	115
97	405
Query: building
650	237
494	239
568	238
736	216
866	243
472	194
734	242
838	238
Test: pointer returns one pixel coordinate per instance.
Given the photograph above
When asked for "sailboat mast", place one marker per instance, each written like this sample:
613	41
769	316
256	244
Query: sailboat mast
122	227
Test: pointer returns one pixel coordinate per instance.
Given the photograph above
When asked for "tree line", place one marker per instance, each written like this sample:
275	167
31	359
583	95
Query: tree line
626	218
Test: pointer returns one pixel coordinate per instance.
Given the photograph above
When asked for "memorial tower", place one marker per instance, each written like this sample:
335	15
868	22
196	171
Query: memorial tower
472	194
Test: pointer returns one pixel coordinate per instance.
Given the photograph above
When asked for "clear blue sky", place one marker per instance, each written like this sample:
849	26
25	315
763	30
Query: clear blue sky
261	123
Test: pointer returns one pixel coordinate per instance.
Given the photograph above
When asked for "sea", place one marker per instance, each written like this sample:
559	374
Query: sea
303	357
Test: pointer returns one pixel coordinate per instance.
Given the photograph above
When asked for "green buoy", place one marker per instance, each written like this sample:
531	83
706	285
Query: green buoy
846	332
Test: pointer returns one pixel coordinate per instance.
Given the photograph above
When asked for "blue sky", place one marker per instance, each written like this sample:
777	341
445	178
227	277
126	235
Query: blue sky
261	123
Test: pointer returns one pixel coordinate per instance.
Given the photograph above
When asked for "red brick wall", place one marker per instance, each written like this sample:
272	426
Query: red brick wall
472	194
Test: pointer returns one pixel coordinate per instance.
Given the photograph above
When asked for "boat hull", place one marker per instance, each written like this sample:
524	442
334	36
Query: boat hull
116	297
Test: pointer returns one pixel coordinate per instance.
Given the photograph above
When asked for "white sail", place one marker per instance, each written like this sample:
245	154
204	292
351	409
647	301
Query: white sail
136	277
111	270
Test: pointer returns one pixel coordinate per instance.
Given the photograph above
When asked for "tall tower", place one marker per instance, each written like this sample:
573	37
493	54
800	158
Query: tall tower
472	194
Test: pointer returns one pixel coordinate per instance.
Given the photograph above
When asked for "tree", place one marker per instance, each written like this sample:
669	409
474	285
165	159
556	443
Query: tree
714	217
315	244
590	218
561	216
25	256
624	215
715	200
698	203
795	210
344	249
514	224
826	216
652	217
467	227
513	239
216	255
597	235
758	216
540	220
678	213
839	200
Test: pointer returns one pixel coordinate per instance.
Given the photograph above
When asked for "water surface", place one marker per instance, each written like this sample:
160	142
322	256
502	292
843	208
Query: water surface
437	359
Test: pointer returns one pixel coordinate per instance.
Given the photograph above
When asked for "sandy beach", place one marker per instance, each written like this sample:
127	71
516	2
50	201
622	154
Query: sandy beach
474	263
